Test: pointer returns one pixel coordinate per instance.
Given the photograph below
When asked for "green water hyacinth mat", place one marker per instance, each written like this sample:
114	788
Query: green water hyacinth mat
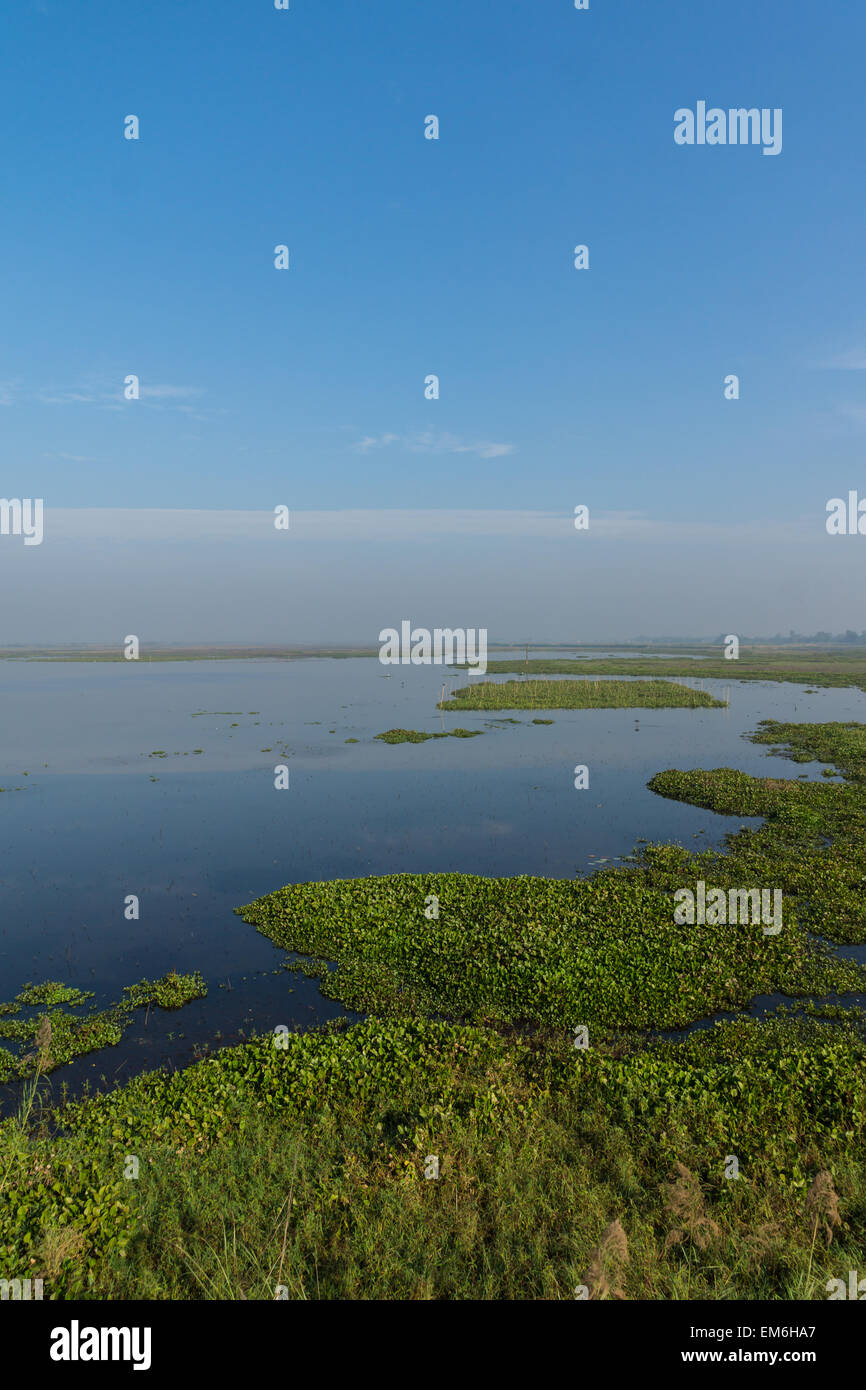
537	951
822	669
607	950
55	1036
417	736
580	694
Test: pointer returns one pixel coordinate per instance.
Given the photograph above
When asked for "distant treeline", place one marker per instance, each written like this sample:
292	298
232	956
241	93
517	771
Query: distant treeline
849	636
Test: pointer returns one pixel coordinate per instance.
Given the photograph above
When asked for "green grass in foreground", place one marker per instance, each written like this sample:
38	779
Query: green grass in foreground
579	694
304	1166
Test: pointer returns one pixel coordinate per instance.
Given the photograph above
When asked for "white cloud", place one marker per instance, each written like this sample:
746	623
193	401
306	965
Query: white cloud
51	397
108	395
170	392
429	443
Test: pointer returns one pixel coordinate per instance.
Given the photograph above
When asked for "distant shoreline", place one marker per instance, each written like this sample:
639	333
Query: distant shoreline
165	651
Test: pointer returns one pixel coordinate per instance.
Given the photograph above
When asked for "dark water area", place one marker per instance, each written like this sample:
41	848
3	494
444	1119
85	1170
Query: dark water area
88	816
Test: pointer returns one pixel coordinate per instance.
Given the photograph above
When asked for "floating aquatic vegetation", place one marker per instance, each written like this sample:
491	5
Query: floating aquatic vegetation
416	736
607	949
579	694
66	1035
816	670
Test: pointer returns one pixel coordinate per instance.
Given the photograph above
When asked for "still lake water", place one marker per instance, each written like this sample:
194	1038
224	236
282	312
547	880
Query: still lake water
196	834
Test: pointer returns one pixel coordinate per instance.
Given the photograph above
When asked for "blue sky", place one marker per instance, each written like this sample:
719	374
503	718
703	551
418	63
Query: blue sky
453	257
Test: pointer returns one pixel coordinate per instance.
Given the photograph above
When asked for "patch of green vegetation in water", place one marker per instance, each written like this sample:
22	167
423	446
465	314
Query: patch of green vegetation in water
823	670
59	1036
812	844
580	694
607	949
415	735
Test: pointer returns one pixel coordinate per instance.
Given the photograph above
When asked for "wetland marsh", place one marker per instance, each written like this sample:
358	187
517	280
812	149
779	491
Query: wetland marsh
441	909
